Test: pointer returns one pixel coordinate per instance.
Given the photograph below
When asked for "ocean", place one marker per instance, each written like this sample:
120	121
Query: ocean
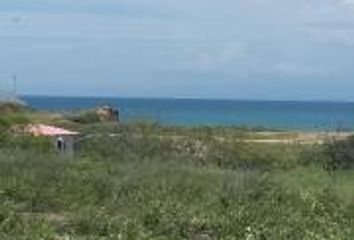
283	115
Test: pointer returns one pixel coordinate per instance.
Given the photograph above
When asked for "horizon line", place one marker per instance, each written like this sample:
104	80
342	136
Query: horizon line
186	98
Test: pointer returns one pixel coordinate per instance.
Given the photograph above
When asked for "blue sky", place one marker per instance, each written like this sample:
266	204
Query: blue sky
244	49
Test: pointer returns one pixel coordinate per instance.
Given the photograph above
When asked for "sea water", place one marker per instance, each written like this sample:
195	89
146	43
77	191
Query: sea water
207	112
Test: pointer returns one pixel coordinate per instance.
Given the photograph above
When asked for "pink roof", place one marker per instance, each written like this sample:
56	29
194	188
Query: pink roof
47	130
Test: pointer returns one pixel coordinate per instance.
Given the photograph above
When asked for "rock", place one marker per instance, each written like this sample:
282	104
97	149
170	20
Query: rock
107	114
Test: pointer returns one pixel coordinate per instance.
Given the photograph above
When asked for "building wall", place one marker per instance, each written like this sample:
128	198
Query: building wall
69	145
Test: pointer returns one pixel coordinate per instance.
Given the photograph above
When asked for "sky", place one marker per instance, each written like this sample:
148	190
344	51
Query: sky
241	49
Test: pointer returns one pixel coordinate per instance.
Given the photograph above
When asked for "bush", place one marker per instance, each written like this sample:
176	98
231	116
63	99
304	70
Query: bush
9	108
24	142
13	119
339	154
85	117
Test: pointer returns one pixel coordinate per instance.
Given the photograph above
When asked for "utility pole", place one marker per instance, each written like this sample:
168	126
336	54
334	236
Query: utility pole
14	79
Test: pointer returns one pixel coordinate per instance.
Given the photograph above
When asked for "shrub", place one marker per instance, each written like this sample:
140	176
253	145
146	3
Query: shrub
339	154
6	121
25	142
8	108
85	117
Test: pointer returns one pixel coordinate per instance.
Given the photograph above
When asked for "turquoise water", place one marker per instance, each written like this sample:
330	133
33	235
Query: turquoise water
268	114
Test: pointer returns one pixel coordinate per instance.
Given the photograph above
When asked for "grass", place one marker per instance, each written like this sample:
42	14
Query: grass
13	119
111	199
153	187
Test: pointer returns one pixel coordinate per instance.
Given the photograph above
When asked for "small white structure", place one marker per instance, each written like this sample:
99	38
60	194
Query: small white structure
63	139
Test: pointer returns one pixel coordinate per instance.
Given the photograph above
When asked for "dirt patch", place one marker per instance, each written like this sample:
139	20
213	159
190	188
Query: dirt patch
299	137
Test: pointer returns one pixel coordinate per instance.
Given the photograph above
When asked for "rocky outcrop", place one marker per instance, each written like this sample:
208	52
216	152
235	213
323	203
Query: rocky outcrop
97	115
107	114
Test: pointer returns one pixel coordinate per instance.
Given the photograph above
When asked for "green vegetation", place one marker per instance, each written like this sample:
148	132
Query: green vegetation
341	154
12	114
13	119
85	117
145	181
8	108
